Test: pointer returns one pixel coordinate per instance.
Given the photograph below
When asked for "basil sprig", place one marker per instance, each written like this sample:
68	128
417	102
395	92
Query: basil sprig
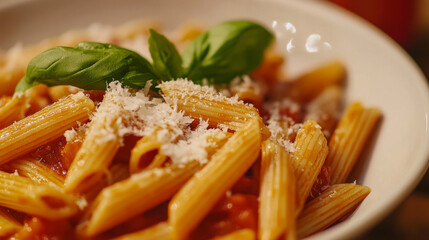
223	52
167	62
89	66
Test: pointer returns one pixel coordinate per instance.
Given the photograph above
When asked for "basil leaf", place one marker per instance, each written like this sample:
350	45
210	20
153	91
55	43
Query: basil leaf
167	62
225	51
89	66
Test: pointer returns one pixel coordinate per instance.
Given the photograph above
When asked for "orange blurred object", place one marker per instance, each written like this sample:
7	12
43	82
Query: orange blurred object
394	17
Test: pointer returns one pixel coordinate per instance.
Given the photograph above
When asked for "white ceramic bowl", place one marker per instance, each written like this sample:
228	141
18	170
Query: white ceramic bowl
379	74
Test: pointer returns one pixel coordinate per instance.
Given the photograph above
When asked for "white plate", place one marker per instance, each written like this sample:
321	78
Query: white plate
380	74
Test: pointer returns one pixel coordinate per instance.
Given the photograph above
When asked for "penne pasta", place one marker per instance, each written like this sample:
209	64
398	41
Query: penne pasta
24	195
329	207
310	152
117	172
57	92
193	202
349	137
36	98
249	91
141	192
12	111
160	231
203	103
189	135
325	108
277	195
98	149
146	154
42	127
35	170
243	234
311	84
8	225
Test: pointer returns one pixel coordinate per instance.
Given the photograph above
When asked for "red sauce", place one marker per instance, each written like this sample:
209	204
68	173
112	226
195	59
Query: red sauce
296	116
141	221
124	152
51	154
233	212
323	181
41	229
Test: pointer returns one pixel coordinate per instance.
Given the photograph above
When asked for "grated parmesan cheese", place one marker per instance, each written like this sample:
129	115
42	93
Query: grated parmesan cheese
281	127
132	112
245	83
202	92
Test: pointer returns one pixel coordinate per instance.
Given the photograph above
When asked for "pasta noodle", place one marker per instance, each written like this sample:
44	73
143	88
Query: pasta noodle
208	105
329	207
348	140
159	231
311	84
207	186
44	126
152	187
244	234
157	156
35	170
145	155
96	153
22	194
277	195
310	152
8	225
12	111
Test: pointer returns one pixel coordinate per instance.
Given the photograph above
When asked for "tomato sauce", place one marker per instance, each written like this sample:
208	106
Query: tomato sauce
323	181
51	154
36	228
231	213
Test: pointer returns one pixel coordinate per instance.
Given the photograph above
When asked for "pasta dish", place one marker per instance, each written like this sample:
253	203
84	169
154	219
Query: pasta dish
127	133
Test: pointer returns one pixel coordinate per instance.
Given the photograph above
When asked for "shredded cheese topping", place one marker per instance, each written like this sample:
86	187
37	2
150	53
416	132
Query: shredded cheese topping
135	113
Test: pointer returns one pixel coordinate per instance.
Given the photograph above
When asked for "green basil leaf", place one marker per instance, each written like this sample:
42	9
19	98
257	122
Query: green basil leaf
167	62
89	66
225	51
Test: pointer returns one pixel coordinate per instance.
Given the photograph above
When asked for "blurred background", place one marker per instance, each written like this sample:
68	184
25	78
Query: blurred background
407	22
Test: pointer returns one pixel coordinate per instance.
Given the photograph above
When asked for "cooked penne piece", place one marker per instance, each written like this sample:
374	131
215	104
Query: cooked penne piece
57	92
160	231
117	172
310	152
324	109
311	84
349	137
329	207
71	148
36	98
248	91
8	225
193	202
277	196
270	71
24	195
242	234
146	154
44	126
98	149
13	110
205	103
141	192
35	170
